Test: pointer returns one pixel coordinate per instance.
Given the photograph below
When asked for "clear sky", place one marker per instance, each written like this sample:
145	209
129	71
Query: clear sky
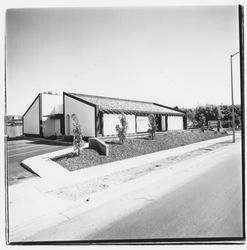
176	56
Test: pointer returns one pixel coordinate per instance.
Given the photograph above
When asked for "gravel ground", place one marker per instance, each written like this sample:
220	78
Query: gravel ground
85	189
135	147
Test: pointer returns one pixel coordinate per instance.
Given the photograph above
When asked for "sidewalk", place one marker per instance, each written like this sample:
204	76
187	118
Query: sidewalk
54	176
32	209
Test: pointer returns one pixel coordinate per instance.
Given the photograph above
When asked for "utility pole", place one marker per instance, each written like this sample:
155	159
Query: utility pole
233	113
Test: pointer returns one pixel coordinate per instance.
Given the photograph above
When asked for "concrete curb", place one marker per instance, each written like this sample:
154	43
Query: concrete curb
49	140
55	176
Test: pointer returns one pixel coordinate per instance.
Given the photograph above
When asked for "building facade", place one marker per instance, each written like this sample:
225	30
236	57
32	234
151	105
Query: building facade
50	115
44	117
99	115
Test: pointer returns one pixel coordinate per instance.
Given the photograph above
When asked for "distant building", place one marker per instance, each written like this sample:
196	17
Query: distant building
51	115
14	125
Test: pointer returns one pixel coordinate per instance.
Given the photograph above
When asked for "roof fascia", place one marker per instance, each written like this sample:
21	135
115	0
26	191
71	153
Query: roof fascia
80	100
31	105
178	110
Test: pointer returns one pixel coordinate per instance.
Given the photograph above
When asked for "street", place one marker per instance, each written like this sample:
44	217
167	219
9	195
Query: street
18	150
208	206
203	199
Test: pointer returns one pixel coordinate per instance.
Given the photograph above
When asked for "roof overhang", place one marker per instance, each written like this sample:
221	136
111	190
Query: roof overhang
137	112
54	116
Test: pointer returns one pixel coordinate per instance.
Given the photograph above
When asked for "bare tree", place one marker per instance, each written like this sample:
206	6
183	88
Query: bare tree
122	128
152	125
77	135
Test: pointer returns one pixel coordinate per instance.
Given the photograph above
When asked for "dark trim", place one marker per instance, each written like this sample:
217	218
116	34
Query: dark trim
166	123
31	105
185	122
106	97
61	125
101	125
158	119
40	116
63	130
38	96
80	100
226	241
96	120
136	124
32	135
23	125
136	112
75	96
241	61
178	110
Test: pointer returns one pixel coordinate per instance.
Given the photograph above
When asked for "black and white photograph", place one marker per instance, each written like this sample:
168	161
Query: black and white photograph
124	125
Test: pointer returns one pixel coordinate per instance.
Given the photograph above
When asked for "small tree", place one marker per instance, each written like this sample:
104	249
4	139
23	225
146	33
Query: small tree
152	125
202	122
122	128
77	137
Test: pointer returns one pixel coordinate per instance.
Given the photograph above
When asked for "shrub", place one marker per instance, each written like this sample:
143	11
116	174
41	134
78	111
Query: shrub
202	122
152	125
122	128
77	135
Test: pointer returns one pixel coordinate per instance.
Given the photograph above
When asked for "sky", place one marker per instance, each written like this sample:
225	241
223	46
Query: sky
176	56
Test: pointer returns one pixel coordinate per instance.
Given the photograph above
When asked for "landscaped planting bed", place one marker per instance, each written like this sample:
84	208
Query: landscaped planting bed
135	147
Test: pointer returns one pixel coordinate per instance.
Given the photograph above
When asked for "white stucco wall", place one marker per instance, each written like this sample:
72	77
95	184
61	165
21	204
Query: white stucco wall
31	119
111	120
85	114
163	123
57	126
131	124
48	127
109	124
51	127
142	124
175	122
52	104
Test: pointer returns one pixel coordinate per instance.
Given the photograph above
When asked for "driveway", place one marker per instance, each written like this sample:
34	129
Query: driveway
18	150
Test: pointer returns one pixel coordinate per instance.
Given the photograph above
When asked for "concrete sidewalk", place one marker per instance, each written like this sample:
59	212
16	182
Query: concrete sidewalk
54	176
32	208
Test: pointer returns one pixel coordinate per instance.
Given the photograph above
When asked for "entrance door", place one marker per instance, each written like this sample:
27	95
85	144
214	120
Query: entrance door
158	122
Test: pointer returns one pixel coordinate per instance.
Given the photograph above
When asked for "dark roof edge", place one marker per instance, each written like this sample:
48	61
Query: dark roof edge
75	95
72	95
31	104
178	110
106	97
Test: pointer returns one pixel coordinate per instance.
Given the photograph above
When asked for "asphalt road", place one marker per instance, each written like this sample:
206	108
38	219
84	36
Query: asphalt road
207	206
18	150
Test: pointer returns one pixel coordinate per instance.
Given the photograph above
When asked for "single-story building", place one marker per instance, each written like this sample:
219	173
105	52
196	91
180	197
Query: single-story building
99	115
44	117
50	114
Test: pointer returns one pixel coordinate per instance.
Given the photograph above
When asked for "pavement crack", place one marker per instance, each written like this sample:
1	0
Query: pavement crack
67	217
144	198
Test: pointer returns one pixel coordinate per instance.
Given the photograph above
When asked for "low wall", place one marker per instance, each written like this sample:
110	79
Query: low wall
100	146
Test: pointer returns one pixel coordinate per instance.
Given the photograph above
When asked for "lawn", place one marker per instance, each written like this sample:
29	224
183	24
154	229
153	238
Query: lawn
135	147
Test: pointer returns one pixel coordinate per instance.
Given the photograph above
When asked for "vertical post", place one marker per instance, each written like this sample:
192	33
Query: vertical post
241	61
233	115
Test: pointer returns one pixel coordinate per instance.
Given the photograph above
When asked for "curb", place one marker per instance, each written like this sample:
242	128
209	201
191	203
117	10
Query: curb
48	140
54	176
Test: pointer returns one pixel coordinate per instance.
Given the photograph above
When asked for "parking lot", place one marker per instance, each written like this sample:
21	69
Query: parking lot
18	150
